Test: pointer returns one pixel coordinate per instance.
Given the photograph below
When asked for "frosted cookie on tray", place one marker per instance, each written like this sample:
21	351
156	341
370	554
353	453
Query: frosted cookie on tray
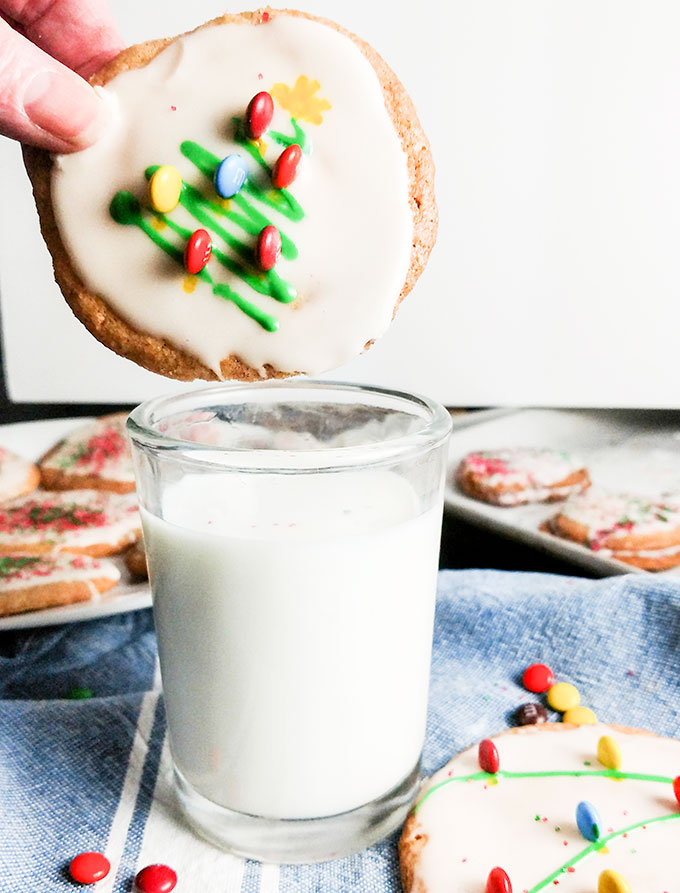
260	204
519	475
17	475
86	522
93	456
33	582
638	531
536	807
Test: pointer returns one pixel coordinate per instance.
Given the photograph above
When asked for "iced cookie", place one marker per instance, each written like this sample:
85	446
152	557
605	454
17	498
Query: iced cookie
94	456
519	475
32	582
262	200
86	522
135	560
17	475
638	531
566	804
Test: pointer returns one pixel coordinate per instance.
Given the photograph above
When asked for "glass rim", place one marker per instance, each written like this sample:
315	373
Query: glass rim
436	426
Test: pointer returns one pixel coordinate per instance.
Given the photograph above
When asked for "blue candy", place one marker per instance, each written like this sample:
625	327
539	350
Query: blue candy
588	821
230	175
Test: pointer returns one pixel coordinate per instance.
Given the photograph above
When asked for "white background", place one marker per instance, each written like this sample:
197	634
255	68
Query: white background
555	125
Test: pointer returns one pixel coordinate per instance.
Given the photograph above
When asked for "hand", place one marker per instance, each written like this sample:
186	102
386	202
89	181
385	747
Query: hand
47	48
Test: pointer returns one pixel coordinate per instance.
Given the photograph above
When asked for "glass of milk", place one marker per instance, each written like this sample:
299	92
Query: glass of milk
292	532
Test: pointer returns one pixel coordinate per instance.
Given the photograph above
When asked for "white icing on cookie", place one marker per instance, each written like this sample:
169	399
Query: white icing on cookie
606	515
100	449
354	241
530	472
527	826
15	475
28	571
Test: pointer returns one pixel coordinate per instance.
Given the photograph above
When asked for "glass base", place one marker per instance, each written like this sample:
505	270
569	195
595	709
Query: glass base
298	841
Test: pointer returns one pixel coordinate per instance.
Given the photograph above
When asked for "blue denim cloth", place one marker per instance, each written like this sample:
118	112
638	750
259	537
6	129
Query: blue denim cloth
63	763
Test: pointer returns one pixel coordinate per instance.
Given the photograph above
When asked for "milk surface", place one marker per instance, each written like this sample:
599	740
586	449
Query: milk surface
294	617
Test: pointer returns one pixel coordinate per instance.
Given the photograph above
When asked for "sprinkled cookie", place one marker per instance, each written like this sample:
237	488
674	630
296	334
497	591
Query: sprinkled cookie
549	815
262	200
520	475
17	476
86	522
638	531
33	582
94	456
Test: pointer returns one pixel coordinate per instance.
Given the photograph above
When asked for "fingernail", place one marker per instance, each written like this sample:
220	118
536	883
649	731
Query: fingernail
63	104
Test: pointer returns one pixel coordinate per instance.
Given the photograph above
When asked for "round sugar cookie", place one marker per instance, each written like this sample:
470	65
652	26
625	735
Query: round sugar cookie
636	530
518	475
33	582
17	475
84	522
93	456
353	205
524	819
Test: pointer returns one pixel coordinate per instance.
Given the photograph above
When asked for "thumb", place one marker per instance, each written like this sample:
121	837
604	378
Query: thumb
42	102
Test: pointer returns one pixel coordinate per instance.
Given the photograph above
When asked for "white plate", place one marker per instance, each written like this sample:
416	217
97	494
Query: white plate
628	451
32	440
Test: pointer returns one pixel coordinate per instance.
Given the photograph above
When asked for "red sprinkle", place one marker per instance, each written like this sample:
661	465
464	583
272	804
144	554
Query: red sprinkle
156	879
538	678
498	882
676	788
198	251
286	166
489	759
268	248
88	868
259	114
265	16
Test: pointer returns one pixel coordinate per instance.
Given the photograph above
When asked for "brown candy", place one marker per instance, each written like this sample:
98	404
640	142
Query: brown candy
531	714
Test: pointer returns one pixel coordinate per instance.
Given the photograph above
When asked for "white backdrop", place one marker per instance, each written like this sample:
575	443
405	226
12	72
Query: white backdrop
556	131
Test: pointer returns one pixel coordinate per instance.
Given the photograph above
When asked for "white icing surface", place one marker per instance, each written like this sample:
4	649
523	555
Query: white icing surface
354	241
530	468
618	515
14	473
62	568
473	826
87	451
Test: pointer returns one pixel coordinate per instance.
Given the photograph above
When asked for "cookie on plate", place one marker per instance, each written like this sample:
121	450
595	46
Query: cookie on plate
641	532
135	560
93	456
17	475
519	475
279	134
33	582
523	821
84	522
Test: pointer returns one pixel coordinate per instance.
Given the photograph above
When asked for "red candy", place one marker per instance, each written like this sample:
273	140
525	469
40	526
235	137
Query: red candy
285	166
259	115
88	868
488	756
156	879
498	882
538	678
268	248
676	788
198	251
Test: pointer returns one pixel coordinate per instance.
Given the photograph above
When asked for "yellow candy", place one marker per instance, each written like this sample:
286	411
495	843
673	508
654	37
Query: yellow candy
164	188
612	882
609	753
580	716
563	696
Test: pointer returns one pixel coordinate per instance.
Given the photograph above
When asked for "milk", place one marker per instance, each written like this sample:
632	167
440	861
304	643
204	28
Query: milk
294	617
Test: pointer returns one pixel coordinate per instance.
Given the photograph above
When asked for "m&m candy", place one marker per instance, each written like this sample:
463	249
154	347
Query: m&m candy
88	868
538	678
676	788
156	879
230	175
198	251
588	821
531	714
612	882
609	752
498	882
580	716
165	187
268	248
489	760
286	166
563	696
259	115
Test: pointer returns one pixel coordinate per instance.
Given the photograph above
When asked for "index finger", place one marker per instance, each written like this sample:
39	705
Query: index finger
82	34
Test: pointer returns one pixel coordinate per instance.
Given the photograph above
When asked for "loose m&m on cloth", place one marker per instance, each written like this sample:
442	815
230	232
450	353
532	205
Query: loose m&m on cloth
498	882
489	760
156	879
90	867
563	696
538	678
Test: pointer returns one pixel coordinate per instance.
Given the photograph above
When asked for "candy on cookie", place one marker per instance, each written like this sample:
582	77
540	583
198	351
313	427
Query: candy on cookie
135	560
17	475
260	204
94	456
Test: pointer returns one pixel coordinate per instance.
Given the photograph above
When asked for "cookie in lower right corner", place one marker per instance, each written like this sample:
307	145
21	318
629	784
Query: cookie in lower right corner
526	820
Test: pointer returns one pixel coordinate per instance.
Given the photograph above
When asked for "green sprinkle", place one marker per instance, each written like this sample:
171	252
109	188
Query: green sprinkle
80	694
